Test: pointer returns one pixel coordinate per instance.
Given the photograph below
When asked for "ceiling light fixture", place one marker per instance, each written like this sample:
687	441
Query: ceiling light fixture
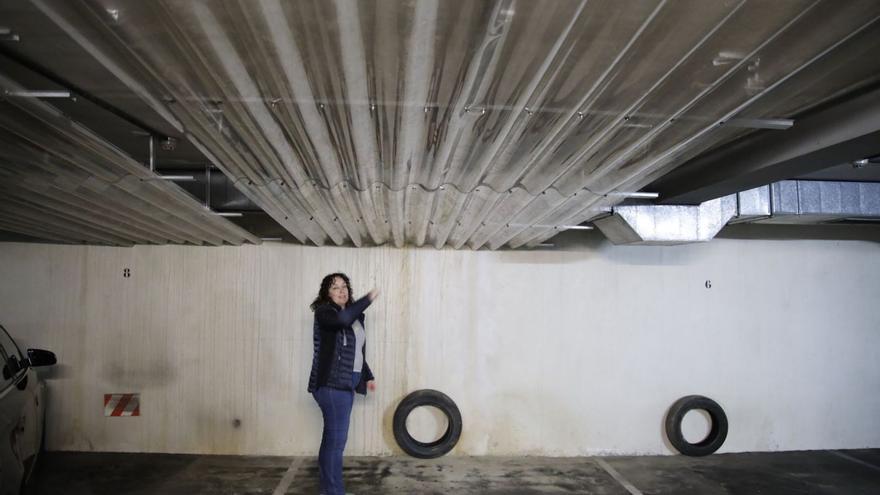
558	227
777	124
152	159
7	35
727	57
178	178
228	214
38	94
644	195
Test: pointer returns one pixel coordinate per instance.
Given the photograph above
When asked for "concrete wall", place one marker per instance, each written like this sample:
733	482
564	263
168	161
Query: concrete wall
575	351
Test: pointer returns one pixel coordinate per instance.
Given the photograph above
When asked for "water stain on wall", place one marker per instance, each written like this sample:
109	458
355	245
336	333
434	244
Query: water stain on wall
135	377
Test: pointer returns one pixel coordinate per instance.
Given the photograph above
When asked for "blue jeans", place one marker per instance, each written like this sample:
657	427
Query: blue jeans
336	408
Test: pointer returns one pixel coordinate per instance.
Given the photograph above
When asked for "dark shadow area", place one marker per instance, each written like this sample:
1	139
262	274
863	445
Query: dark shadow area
263	226
824	232
89	473
6	236
851	472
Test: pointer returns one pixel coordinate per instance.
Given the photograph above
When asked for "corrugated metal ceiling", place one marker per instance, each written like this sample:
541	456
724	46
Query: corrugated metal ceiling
464	123
60	182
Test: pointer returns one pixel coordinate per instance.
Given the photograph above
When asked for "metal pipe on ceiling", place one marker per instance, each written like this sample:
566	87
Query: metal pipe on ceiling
76	90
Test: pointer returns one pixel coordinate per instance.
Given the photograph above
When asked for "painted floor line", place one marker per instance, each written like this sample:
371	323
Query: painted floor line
620	479
285	482
851	458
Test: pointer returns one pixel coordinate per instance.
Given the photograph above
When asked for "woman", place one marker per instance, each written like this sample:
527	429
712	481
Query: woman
339	369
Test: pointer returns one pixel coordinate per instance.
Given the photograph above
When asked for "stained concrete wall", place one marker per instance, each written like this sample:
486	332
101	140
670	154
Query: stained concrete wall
575	351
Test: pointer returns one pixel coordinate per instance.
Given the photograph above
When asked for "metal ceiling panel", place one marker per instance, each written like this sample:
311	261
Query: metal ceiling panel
536	209
479	203
61	180
448	203
508	206
798	79
578	208
459	123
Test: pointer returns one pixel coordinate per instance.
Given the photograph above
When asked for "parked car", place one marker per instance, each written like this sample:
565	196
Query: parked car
22	412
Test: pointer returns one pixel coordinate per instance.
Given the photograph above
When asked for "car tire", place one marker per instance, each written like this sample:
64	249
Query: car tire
717	432
439	447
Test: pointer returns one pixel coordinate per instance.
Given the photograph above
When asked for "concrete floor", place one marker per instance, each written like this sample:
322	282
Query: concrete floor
822	472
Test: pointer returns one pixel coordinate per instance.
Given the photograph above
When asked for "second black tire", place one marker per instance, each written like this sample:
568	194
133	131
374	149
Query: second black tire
717	432
439	447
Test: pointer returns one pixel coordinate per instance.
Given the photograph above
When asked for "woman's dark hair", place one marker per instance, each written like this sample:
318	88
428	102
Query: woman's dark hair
324	291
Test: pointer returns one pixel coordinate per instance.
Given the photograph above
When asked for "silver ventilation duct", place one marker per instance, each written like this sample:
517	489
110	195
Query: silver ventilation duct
810	202
786	202
667	224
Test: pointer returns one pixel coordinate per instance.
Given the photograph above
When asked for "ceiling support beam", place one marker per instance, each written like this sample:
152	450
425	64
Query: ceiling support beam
73	90
846	132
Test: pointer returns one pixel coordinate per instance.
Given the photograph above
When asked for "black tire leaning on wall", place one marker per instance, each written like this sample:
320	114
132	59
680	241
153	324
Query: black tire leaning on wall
717	432
439	447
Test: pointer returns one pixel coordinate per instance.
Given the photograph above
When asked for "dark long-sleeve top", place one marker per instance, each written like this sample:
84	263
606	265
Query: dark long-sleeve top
334	347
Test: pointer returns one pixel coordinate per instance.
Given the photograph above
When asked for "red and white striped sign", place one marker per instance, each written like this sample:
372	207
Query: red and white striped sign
122	404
